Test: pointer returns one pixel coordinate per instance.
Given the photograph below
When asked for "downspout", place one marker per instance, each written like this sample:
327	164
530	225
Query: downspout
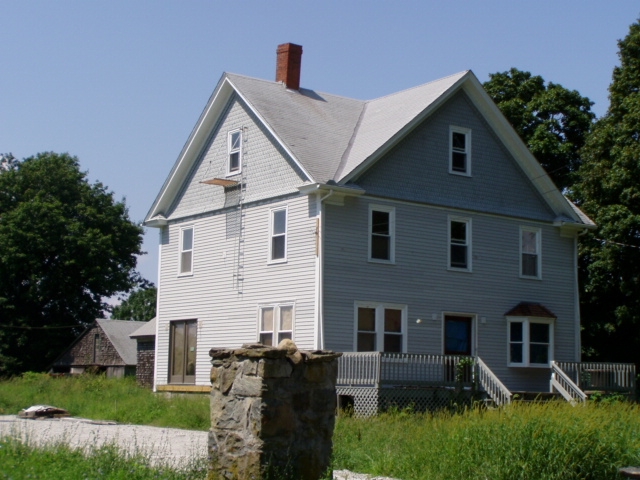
319	327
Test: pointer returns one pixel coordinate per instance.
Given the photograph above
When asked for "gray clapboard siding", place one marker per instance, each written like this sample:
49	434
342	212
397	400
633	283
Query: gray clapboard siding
225	317
417	169
266	170
420	279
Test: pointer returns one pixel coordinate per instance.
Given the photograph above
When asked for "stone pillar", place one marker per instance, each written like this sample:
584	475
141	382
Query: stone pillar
272	412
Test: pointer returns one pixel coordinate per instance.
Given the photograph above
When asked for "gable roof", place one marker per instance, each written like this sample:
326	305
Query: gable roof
118	332
333	139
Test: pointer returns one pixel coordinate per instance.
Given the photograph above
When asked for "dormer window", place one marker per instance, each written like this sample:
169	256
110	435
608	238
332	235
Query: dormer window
460	151
234	145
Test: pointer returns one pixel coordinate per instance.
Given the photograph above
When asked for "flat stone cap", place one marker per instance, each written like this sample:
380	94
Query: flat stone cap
258	350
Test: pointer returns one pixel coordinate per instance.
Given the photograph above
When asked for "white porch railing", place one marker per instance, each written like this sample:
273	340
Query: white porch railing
492	384
561	382
612	377
384	368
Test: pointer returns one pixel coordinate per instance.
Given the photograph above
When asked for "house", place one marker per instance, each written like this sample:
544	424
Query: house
104	346
415	223
145	338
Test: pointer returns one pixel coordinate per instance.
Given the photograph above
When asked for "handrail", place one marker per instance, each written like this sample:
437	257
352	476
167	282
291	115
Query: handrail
563	384
492	384
601	375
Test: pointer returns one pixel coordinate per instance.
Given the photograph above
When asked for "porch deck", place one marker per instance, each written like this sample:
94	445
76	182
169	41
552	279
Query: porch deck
374	381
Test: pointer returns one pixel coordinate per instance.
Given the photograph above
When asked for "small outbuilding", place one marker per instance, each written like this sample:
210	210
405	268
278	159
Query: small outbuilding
145	338
105	346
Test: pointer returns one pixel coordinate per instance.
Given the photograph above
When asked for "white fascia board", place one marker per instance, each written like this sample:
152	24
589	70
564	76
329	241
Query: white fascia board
400	134
192	147
284	146
516	147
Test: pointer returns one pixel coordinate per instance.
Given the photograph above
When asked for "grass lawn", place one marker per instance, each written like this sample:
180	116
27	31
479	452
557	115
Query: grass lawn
535	441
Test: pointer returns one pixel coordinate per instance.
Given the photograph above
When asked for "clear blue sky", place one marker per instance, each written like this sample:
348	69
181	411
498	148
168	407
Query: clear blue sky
120	84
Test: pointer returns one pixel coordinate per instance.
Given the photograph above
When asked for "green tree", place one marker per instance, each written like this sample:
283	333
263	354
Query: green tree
609	192
140	305
551	120
65	244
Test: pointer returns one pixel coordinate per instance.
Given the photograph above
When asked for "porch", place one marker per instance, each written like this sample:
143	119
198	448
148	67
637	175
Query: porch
370	382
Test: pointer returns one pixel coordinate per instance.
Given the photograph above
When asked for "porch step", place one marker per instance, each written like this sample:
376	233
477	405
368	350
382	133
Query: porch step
536	396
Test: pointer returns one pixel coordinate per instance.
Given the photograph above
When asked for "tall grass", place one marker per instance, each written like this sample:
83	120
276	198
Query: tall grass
539	441
101	398
20	461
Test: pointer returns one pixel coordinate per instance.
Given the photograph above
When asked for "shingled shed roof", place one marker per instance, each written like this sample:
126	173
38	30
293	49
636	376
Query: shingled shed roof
146	330
118	332
525	309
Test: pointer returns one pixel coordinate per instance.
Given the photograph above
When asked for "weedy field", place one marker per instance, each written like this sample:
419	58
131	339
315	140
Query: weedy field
521	441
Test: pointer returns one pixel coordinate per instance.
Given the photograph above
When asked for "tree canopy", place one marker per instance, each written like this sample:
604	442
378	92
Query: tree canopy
551	120
140	305
66	245
608	190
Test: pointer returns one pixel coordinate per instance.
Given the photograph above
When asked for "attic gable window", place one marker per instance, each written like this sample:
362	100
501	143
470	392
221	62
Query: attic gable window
460	151
186	251
234	146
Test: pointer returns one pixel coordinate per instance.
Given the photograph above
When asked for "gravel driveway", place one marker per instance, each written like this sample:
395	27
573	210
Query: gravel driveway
163	446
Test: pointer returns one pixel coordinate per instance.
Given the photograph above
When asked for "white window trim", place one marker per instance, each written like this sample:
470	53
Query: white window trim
276	320
380	307
467	133
392	232
538	233
526	321
231	150
467	221
272	211
181	250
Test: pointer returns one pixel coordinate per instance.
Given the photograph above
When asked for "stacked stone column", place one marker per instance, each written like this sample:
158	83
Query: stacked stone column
272	412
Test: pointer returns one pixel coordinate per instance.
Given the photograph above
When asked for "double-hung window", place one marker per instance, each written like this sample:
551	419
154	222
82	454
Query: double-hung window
275	324
460	151
234	148
382	221
381	328
278	235
530	252
460	244
530	341
186	251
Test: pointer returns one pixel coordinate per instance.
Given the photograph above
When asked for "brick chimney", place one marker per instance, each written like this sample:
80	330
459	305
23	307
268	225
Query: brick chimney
288	66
